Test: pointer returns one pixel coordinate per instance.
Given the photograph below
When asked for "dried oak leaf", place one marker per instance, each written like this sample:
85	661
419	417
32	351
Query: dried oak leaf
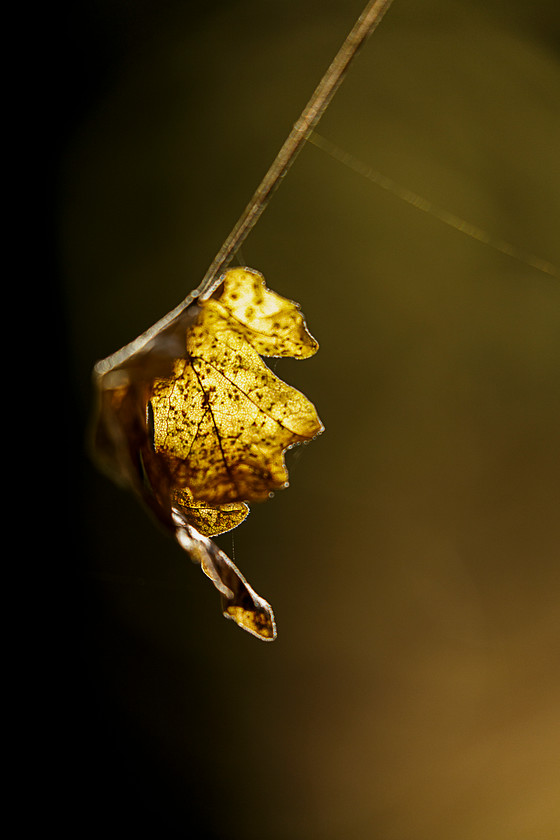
223	420
197	425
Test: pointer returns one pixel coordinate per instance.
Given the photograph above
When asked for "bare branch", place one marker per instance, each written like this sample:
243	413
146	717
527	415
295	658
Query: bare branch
310	116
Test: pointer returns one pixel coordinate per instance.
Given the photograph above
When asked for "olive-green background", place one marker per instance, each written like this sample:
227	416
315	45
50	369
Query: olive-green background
413	692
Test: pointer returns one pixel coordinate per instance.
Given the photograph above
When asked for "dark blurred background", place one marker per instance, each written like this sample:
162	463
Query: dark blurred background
413	692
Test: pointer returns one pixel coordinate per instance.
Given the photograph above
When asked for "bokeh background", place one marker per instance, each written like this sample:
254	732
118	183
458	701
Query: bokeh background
413	692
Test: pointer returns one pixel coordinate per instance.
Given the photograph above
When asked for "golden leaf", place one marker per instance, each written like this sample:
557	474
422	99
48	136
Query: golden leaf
197	425
223	420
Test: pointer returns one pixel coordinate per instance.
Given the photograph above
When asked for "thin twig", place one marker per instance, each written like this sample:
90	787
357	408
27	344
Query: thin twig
310	116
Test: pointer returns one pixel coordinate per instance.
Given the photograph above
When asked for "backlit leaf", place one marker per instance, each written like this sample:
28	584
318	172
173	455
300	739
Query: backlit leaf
224	420
196	424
